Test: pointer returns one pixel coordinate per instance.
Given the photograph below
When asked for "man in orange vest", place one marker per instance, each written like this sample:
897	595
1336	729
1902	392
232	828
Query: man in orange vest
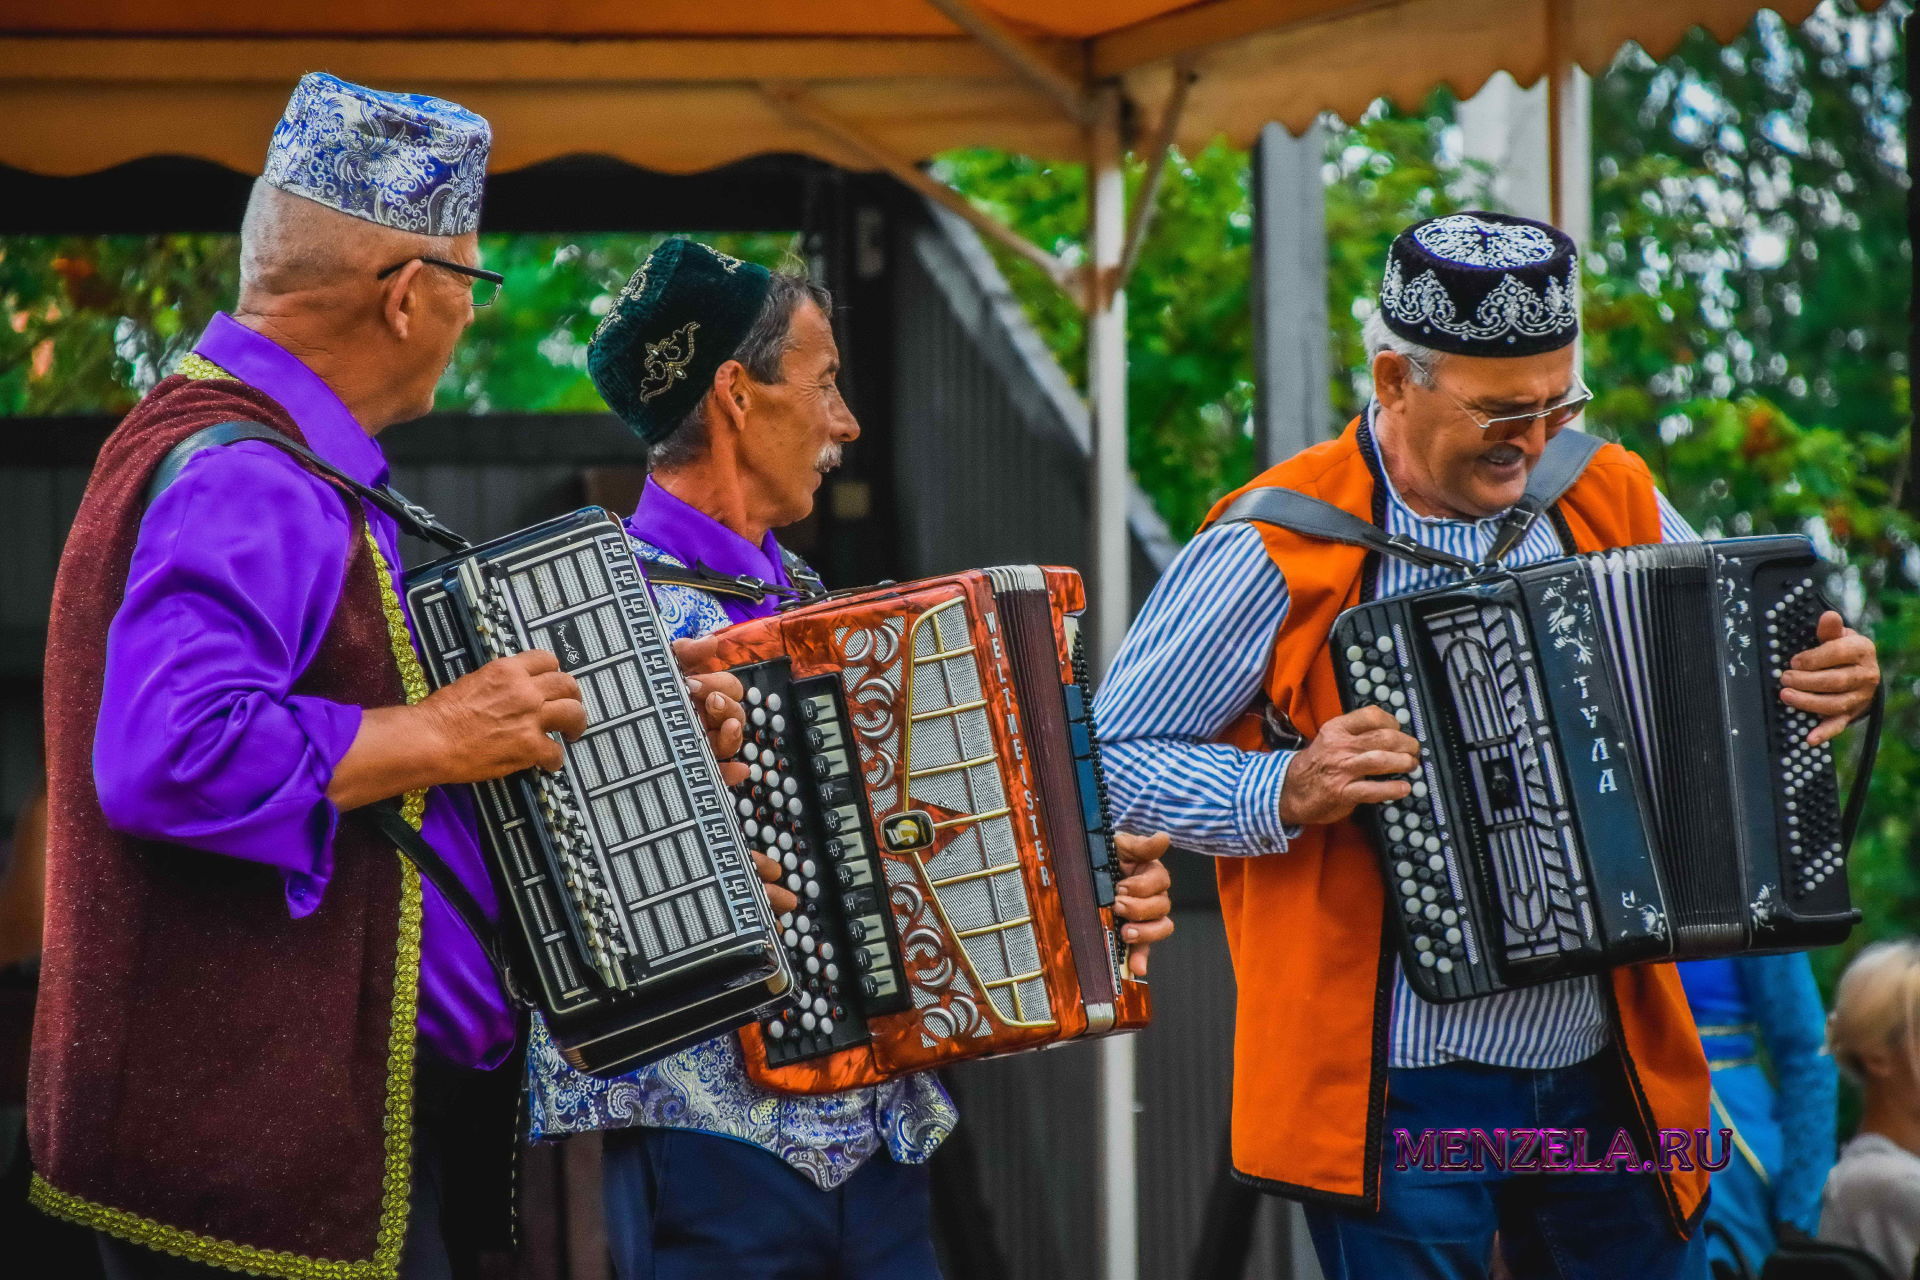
1222	723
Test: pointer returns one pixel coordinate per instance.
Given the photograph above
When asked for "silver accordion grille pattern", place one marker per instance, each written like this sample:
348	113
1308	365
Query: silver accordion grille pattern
649	867
952	765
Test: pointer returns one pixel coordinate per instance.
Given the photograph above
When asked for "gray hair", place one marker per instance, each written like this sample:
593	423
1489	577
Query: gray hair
760	353
1378	337
290	244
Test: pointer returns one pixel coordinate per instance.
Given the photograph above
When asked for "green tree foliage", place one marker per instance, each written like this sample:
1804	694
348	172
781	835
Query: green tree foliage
96	320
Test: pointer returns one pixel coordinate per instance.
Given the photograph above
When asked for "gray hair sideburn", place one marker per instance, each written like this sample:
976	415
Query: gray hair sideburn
1378	337
760	354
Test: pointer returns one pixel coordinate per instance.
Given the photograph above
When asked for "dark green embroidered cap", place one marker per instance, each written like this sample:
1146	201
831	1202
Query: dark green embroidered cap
682	315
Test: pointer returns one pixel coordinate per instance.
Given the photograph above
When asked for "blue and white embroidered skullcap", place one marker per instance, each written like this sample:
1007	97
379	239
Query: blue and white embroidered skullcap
1483	284
402	160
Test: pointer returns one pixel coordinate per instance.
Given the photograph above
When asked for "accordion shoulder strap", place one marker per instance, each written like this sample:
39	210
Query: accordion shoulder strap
387	816
806	583
409	515
1561	465
1290	509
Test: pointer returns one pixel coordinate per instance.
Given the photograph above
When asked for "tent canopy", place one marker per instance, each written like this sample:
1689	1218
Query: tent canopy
684	85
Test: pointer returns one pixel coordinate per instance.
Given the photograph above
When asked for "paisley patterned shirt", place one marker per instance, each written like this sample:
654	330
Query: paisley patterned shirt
825	1137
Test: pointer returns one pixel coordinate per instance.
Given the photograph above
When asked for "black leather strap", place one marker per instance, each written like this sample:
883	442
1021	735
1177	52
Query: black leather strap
386	815
720	584
409	515
1290	509
801	574
1863	772
1561	464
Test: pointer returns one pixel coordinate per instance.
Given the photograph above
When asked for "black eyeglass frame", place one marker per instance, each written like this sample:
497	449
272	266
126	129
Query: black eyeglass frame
493	278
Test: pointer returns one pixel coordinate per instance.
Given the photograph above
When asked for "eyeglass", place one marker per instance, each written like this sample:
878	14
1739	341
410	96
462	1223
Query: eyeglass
486	284
1557	415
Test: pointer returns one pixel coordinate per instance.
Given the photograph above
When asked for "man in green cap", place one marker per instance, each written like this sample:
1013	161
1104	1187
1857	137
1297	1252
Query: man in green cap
730	374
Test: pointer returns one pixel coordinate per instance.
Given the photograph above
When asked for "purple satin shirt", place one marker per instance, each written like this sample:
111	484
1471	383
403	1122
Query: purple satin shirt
693	537
234	581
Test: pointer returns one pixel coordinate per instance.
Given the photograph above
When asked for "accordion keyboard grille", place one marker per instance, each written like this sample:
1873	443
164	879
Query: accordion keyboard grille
952	765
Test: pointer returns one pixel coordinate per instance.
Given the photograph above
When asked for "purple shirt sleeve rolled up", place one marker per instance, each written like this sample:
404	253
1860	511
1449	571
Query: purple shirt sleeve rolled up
238	569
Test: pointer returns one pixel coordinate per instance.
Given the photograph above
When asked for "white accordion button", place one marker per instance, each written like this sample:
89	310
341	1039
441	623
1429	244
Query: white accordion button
773	702
1443	964
753	697
1384	644
813	964
826	1026
1355	652
776	1030
807	1021
786	842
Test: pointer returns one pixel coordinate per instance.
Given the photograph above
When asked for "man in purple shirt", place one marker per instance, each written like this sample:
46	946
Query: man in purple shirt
730	374
252	1061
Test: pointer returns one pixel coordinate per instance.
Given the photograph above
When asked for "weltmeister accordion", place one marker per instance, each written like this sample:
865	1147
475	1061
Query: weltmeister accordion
923	766
1607	772
631	908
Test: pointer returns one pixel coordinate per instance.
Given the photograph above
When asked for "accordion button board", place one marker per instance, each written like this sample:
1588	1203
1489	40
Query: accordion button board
634	914
1607	773
802	806
1440	922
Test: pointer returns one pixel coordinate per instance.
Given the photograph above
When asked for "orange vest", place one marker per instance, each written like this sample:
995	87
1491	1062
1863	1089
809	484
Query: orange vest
1306	927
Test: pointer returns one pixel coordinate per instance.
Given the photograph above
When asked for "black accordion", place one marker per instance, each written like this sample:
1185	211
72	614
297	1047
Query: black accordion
632	913
1607	774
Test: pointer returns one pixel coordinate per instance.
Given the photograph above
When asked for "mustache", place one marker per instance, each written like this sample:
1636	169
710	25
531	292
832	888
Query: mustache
828	460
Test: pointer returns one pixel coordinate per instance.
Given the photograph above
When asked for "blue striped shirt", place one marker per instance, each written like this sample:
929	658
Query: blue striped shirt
1195	661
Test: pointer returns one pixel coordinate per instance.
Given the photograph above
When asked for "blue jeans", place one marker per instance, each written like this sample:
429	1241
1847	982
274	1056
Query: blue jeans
1439	1223
683	1205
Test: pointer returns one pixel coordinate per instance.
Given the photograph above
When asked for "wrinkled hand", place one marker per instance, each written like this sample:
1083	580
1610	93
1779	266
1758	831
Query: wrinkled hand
717	695
779	897
499	719
1834	680
1142	897
1343	767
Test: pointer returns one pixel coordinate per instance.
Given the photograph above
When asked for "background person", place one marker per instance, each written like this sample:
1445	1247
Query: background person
1872	1197
1747	1008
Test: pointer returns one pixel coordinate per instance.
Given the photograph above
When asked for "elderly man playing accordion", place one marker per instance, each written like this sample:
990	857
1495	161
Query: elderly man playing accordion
730	374
1223	725
263	1044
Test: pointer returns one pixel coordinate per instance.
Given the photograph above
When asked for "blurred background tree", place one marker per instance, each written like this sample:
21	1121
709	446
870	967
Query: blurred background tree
1746	314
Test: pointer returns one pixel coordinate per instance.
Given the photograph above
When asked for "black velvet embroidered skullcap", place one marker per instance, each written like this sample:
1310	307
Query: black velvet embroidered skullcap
1483	284
682	315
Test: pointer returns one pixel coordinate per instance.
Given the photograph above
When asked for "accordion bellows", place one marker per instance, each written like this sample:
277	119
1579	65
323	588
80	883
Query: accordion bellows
925	768
1608	774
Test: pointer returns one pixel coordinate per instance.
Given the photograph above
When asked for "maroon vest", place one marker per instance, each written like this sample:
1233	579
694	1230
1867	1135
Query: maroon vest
210	1077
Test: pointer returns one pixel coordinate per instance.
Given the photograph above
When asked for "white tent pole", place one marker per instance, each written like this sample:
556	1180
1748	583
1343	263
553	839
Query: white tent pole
1107	391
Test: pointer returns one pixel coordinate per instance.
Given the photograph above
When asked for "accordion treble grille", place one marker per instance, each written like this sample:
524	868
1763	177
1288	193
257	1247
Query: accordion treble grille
953	766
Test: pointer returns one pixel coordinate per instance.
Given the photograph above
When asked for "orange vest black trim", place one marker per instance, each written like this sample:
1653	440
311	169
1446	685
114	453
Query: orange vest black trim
1310	1036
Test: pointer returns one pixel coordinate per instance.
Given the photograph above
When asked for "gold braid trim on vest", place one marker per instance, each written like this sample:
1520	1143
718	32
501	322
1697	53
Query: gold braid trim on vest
397	1180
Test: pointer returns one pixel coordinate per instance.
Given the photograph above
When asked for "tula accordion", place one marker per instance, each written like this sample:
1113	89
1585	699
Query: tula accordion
1607	772
631	909
923	766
